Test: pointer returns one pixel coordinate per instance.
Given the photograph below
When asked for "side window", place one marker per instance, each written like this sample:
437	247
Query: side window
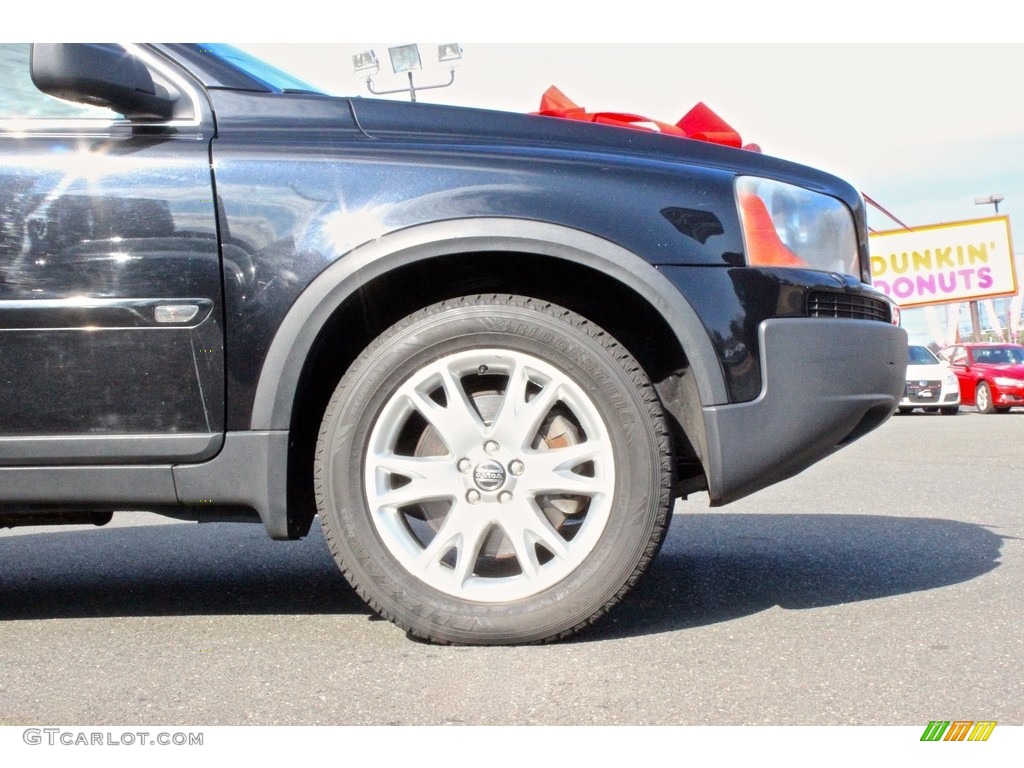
20	99
959	356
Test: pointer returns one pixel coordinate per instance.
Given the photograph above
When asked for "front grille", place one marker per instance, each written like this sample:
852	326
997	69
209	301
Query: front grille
826	304
923	391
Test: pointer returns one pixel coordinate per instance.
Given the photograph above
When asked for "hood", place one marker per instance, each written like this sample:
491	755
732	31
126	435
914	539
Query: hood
399	119
1013	370
309	117
930	371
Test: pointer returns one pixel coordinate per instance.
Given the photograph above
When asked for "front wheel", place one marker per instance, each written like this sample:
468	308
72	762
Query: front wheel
494	470
983	398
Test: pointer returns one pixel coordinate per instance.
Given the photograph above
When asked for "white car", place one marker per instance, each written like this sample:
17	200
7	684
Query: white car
931	384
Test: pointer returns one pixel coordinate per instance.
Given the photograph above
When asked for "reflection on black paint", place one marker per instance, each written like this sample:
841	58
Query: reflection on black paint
93	236
695	223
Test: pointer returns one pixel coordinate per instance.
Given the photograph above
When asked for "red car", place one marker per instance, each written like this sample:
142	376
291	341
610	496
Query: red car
991	376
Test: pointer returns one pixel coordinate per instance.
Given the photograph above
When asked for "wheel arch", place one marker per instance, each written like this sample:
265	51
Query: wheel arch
377	284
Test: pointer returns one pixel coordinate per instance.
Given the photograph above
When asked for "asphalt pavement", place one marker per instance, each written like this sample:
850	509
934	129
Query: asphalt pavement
881	587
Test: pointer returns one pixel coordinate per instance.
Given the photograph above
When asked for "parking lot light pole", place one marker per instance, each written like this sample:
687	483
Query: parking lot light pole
994	200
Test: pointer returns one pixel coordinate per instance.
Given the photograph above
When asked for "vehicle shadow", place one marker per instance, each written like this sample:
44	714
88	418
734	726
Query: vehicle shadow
169	570
718	567
713	568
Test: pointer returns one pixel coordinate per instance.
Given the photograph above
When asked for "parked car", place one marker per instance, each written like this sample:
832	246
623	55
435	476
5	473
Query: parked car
931	385
489	350
991	375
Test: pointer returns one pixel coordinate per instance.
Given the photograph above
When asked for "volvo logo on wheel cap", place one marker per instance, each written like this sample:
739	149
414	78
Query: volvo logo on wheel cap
489	476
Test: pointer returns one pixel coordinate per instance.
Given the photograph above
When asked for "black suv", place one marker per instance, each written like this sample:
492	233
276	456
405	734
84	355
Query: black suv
490	350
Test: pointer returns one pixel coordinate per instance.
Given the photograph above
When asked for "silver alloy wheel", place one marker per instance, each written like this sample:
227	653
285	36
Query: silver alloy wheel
489	475
983	398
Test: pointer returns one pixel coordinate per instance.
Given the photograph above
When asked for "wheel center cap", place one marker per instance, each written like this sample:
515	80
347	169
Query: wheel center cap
489	476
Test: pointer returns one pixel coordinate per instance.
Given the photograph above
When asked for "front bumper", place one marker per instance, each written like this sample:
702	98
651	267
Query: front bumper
1008	397
825	382
934	394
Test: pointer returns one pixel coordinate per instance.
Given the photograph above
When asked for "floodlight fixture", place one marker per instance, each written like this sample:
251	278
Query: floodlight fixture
364	62
405	58
449	52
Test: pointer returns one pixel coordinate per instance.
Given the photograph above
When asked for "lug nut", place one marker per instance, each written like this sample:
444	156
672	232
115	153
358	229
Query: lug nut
505	497
491	447
465	465
473	496
516	467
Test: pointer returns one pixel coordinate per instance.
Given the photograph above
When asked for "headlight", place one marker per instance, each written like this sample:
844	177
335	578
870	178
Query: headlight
788	226
1005	381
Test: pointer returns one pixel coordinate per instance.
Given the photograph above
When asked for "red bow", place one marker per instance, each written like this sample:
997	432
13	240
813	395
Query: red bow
699	123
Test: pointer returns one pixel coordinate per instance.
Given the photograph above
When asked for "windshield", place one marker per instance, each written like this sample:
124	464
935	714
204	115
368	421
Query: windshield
999	355
273	78
921	356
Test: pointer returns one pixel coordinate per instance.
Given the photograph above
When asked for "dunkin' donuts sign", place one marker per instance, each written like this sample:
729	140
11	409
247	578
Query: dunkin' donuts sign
961	261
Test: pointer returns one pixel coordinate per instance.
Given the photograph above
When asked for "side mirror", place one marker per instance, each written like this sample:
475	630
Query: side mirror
101	74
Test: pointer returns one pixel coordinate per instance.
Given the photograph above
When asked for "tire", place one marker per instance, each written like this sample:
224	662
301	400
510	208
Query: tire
903	411
951	411
494	469
983	398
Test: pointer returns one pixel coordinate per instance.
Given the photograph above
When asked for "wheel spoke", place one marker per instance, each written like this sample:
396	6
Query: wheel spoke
473	534
519	419
571	483
526	553
527	529
456	421
463	531
552	470
428	478
461	413
444	540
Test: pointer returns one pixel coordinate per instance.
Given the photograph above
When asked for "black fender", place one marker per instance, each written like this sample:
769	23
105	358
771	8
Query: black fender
267	445
282	367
